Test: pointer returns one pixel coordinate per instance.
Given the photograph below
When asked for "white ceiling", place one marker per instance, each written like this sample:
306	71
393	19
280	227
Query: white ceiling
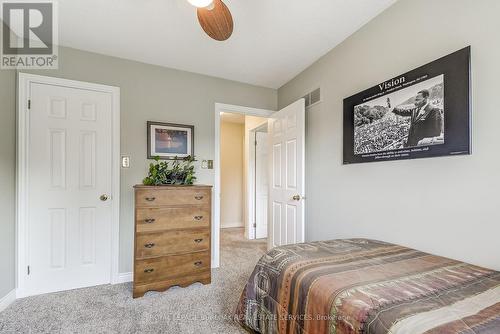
273	40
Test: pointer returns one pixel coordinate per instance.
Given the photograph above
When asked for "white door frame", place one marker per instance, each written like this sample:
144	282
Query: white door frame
251	188
24	82
221	107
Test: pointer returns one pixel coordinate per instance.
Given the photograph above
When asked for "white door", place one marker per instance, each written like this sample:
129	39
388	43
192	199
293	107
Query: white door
261	184
286	130
69	188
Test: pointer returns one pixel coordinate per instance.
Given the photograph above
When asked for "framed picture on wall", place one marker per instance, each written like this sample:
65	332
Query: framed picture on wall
170	141
419	114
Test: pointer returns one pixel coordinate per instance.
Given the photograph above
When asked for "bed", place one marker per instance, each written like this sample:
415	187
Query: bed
370	287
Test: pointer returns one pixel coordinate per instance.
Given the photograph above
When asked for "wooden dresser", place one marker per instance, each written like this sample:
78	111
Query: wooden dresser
172	237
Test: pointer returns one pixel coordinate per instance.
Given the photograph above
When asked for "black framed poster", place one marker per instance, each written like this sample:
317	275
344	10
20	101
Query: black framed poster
422	113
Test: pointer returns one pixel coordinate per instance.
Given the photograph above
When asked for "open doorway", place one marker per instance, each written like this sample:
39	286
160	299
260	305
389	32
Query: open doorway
286	158
243	174
234	186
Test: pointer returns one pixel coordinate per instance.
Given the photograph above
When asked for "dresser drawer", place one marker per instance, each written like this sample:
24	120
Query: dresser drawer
152	270
172	197
173	242
158	219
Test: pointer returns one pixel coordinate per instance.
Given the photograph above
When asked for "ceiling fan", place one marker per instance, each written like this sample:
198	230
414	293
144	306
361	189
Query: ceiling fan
215	18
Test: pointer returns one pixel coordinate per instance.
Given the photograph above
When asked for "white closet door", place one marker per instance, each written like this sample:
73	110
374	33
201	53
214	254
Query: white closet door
286	130
261	184
69	184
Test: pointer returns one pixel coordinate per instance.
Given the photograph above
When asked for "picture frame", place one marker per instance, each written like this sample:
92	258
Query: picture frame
423	113
169	141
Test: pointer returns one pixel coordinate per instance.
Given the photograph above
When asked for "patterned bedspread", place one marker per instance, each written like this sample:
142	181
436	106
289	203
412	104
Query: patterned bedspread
369	287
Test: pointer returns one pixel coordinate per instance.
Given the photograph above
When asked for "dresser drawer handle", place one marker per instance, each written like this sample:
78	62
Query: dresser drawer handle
149	221
151	245
198	218
149	271
150	199
198	197
198	240
198	263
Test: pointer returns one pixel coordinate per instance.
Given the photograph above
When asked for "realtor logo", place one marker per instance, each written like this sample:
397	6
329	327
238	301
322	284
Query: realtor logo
29	37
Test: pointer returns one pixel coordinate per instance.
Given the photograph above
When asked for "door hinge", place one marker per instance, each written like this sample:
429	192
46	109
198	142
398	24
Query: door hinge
255	225
29	271
255	143
29	104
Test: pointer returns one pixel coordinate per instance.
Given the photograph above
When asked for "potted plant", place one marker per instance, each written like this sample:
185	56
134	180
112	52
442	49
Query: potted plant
178	172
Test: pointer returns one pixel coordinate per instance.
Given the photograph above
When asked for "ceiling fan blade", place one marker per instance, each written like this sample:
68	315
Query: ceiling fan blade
216	22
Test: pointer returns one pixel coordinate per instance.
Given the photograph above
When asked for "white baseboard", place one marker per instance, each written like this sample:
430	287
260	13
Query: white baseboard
7	300
231	224
124	278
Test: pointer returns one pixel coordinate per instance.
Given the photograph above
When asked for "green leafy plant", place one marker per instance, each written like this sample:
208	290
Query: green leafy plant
177	172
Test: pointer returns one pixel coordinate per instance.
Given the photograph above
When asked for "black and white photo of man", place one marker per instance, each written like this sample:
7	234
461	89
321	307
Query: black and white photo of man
409	117
423	113
426	122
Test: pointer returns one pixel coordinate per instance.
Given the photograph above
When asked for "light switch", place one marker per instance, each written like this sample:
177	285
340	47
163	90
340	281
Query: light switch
204	164
125	161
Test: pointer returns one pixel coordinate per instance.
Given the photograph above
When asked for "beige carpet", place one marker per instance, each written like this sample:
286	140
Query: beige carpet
111	309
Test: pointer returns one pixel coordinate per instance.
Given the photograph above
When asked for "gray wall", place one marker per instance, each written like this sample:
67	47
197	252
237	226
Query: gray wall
449	206
147	93
7	180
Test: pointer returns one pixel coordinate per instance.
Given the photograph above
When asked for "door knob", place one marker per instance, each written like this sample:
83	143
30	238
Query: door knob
103	198
296	198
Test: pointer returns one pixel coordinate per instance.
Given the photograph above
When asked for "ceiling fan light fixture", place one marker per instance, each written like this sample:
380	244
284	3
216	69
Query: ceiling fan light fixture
217	21
201	3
